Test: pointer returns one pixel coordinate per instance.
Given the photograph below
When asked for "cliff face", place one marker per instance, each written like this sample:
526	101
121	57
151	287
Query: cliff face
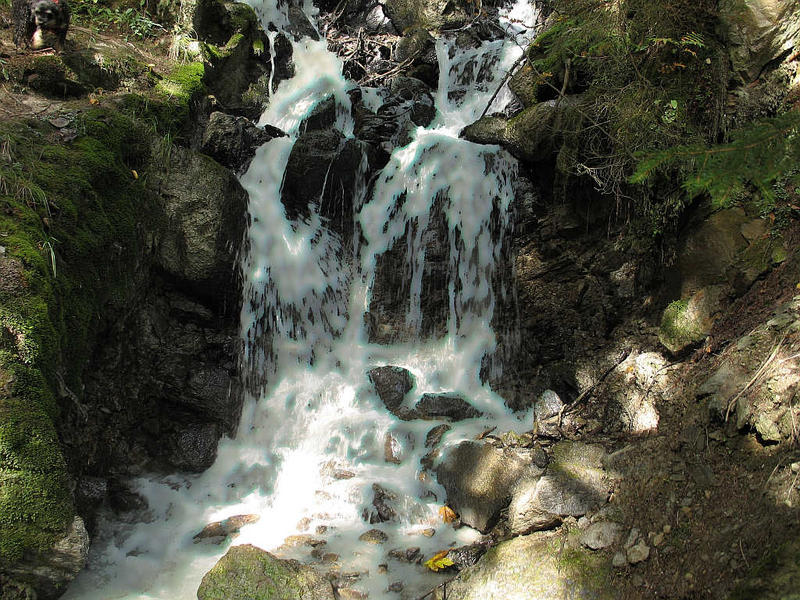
119	295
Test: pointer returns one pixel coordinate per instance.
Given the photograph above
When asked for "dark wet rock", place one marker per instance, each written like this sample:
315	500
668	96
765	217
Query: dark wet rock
480	479
205	206
232	141
447	405
90	493
391	384
409	105
218	531
122	498
417	49
50	571
435	435
195	446
299	25
381	503
249	573
324	170
322	116
466	556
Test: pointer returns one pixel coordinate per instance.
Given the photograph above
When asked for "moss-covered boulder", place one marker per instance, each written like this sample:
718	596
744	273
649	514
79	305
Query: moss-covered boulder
429	14
536	134
249	573
687	322
533	566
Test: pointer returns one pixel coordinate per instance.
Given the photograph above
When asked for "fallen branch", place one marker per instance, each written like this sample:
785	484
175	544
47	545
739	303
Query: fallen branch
508	74
758	374
590	390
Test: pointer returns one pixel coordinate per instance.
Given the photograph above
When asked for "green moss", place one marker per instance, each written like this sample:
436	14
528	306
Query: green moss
681	325
73	238
35	502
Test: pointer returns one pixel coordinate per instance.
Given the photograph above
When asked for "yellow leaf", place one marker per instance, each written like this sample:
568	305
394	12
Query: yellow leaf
94	101
448	514
135	174
439	561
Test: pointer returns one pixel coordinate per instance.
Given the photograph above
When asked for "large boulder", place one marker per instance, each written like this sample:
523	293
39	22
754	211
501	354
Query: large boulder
480	479
534	135
205	207
430	14
249	573
238	62
532	566
573	485
758	32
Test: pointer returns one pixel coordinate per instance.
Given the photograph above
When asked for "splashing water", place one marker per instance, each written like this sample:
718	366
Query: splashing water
315	416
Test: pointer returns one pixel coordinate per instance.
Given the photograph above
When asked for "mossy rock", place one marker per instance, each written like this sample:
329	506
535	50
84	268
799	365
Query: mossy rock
35	500
249	573
534	566
687	322
67	208
429	14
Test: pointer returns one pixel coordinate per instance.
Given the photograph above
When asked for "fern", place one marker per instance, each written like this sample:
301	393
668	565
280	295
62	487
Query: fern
756	155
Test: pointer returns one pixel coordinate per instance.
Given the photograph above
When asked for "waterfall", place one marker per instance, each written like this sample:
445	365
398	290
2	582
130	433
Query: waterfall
313	414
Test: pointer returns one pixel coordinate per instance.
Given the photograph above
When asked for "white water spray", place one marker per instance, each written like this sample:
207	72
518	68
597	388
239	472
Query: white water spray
302	324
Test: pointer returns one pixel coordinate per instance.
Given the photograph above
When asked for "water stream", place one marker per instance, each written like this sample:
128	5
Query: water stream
317	416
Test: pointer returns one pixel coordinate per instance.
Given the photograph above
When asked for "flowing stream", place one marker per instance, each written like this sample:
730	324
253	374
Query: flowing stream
311	443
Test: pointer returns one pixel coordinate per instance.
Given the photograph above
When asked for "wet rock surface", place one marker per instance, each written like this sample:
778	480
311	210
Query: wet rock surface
232	141
249	573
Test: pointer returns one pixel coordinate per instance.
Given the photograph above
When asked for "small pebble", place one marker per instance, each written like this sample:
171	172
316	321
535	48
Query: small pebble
796	467
638	553
658	539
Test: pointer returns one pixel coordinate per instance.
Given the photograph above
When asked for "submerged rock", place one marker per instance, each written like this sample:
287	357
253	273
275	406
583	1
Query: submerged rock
479	480
217	531
449	405
249	573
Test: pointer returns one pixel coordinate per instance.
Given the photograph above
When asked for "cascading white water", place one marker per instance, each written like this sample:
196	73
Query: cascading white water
302	324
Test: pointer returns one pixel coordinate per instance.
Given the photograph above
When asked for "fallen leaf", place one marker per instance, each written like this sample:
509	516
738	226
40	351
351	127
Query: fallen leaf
135	174
439	561
448	514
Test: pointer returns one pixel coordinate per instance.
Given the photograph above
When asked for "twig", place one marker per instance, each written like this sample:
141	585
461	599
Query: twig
746	562
588	391
755	377
442	585
508	74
